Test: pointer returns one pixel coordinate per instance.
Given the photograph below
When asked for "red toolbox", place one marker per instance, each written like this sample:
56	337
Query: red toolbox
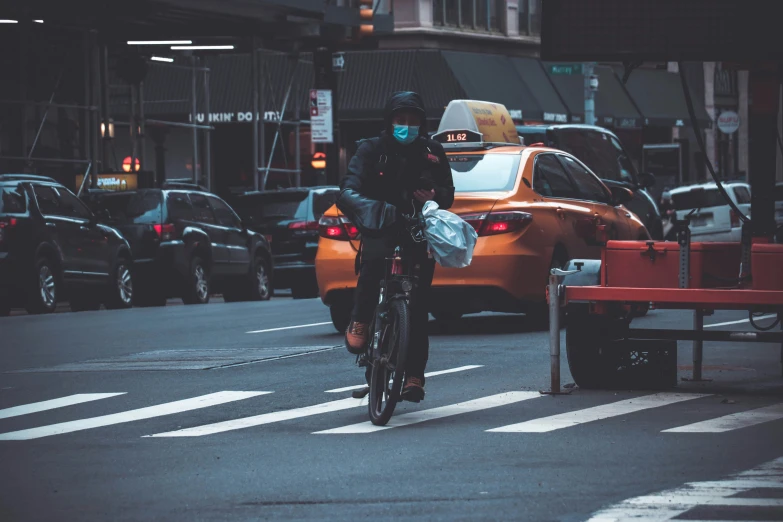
766	263
656	264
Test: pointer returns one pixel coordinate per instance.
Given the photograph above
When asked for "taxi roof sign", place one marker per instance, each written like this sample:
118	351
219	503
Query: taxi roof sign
477	122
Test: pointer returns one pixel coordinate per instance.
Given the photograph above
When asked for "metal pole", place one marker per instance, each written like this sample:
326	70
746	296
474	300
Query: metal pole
133	126
207	135
46	114
262	121
277	133
87	99
194	111
95	115
554	333
589	94
698	326
298	132
105	104
86	173
254	80
142	129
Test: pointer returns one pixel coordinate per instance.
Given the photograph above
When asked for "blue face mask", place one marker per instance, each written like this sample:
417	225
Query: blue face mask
405	134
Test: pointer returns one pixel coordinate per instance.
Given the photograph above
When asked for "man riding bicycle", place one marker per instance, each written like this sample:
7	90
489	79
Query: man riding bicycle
388	180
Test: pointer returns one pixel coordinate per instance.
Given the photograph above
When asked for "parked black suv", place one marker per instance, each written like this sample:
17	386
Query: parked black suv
188	243
289	219
52	248
602	151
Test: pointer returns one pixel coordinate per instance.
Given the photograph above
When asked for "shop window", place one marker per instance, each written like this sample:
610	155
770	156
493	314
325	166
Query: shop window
480	15
535	17
524	17
439	12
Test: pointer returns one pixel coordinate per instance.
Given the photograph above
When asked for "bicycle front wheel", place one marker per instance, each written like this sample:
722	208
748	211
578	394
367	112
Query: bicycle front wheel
389	369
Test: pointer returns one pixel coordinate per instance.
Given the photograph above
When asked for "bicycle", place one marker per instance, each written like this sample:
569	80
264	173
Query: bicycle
389	338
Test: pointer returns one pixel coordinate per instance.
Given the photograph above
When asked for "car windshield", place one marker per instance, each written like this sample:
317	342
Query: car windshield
273	206
12	200
698	198
134	207
484	172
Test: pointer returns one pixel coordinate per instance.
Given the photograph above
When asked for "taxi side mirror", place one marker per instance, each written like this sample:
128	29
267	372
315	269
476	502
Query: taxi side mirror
621	195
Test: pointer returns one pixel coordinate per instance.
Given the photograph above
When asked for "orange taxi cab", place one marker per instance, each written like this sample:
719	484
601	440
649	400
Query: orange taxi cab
533	208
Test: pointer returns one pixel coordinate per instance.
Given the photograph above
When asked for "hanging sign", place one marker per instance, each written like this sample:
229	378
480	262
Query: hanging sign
321	116
728	122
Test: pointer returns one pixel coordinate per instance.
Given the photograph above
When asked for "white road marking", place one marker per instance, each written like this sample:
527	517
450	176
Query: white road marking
670	504
416	417
429	374
729	323
733	421
266	418
289	327
160	410
54	403
605	411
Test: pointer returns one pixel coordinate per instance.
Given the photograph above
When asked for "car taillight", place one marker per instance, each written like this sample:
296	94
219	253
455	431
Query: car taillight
735	220
304	225
340	229
165	232
6	223
494	223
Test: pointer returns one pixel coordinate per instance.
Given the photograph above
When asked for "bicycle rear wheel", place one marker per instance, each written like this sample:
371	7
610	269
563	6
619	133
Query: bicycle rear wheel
388	371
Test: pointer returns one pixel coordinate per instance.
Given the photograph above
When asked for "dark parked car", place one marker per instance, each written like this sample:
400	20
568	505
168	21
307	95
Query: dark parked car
188	243
52	248
289	219
602	151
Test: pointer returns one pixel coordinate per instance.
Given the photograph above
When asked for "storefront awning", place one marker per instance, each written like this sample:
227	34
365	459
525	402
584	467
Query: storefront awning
659	96
493	78
613	105
553	110
368	80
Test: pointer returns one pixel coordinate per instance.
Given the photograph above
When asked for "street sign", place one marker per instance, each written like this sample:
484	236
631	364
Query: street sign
565	68
338	62
321	127
728	122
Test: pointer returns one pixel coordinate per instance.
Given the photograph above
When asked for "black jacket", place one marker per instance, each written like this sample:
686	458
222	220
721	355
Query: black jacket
383	175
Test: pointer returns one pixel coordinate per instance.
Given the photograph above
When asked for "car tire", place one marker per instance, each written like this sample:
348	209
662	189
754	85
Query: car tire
197	286
261	281
120	291
44	288
588	338
341	317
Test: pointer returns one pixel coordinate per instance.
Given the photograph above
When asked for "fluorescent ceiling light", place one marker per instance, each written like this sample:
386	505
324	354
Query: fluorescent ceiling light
9	21
161	59
159	42
191	47
38	21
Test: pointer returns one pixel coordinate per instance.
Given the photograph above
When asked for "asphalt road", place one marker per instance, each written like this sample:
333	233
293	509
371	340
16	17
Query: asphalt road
180	413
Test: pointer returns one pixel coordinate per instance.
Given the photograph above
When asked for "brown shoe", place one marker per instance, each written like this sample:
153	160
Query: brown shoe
413	390
356	338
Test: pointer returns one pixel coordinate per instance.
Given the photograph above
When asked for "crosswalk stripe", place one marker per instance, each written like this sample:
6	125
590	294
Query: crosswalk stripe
54	403
605	411
733	421
416	417
266	418
428	374
168	408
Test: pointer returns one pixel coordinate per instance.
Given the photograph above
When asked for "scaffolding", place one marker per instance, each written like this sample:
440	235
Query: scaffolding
262	81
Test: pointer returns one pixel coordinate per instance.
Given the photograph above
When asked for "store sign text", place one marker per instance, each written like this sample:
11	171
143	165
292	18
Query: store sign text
231	117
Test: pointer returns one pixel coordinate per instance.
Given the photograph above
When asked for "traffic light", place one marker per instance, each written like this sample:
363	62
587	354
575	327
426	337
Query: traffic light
366	12
319	161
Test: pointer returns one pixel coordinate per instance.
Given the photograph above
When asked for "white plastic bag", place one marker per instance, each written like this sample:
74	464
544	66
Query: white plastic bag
451	239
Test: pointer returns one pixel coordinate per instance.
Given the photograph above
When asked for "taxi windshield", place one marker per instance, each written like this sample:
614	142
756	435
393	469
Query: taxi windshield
484	172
